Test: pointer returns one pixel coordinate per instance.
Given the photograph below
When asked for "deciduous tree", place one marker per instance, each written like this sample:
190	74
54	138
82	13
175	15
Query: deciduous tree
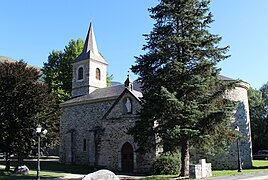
58	69
258	117
24	103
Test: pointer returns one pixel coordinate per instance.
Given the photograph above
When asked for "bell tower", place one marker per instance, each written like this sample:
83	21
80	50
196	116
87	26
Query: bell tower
89	68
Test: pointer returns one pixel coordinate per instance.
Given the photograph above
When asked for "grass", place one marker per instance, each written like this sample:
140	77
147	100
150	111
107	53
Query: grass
55	166
258	166
49	170
31	175
160	177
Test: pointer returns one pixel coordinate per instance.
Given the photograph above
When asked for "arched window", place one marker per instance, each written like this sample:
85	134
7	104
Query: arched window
98	74
80	73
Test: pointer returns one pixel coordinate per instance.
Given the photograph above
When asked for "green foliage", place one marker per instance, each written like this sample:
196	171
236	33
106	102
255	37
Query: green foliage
264	90
258	116
24	103
167	164
109	79
58	70
183	95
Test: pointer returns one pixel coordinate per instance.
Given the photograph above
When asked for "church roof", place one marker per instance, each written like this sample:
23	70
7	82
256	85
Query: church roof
102	94
90	50
225	78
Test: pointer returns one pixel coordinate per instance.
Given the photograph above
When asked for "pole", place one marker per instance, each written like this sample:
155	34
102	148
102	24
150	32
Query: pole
239	167
38	159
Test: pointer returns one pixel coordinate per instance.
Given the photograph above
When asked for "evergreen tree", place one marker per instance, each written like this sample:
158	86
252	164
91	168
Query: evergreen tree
183	95
24	103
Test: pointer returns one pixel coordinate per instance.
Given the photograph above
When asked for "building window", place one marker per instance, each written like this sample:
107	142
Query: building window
80	73
98	74
85	145
127	103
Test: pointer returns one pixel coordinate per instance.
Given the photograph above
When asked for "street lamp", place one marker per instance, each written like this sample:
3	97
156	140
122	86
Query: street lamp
239	165
39	131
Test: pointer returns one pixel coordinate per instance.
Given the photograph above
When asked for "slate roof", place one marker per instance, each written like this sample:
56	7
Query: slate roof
90	50
100	94
113	92
225	78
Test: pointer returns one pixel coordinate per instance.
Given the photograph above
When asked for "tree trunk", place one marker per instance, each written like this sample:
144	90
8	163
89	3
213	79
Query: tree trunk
20	159
185	158
7	162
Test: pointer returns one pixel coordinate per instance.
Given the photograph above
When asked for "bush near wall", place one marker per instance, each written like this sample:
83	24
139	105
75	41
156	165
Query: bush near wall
167	164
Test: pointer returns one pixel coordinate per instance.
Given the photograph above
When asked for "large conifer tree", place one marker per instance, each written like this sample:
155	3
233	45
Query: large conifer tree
183	94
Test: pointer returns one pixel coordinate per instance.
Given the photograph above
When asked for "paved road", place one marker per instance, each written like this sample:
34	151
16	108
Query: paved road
249	176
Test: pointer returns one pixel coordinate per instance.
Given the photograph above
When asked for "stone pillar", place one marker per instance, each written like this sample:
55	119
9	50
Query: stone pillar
195	171
91	149
201	170
68	148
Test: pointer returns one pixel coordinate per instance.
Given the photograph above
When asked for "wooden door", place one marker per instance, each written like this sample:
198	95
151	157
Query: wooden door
127	158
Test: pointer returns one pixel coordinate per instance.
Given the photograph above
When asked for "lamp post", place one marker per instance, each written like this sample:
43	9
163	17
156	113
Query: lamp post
239	165
39	131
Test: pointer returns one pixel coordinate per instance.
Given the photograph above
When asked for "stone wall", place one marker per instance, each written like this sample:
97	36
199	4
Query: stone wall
242	120
94	133
115	136
228	159
78	123
104	137
80	87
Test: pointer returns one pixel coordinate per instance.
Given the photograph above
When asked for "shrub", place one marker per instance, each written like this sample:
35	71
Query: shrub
167	164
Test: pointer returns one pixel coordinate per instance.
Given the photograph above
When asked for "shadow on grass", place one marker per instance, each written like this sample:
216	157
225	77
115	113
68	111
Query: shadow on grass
31	175
56	167
260	167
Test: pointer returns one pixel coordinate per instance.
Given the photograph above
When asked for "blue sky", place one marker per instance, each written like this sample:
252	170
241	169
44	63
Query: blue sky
30	29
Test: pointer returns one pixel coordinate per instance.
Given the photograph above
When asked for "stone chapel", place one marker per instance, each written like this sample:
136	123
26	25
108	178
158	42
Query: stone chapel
95	120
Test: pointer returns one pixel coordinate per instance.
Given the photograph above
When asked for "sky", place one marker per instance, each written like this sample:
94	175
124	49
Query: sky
30	30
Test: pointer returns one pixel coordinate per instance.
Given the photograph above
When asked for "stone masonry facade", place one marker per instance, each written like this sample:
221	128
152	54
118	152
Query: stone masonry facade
229	159
95	121
104	133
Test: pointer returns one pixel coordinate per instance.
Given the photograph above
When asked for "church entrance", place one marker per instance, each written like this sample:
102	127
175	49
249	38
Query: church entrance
127	155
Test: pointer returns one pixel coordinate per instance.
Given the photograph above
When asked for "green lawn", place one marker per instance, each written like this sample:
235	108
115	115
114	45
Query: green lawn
55	166
31	175
258	166
161	177
56	169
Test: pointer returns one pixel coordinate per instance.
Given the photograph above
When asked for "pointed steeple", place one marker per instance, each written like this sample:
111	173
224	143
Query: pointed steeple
90	43
90	50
